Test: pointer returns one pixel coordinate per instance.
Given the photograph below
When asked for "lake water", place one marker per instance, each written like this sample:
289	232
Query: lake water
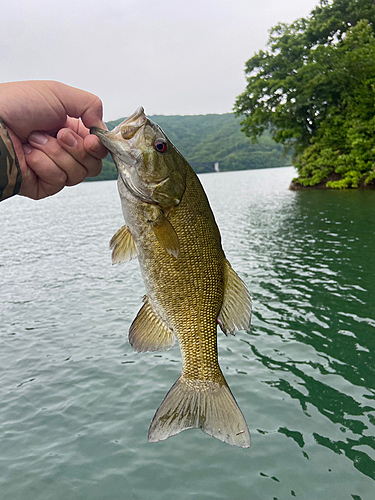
76	401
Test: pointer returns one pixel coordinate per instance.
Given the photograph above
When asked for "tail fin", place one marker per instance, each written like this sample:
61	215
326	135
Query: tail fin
204	404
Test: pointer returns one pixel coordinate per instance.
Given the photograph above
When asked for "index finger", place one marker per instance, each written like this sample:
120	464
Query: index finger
91	142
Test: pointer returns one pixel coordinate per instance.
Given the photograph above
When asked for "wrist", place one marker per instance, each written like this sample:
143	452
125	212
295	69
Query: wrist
10	172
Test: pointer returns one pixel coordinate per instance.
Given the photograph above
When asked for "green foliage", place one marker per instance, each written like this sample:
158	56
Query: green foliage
315	89
212	138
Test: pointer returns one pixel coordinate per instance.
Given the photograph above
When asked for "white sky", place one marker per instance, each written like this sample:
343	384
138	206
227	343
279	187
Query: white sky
169	56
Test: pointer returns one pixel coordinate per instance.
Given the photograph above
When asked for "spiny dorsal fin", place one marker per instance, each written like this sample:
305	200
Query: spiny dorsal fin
123	246
166	235
148	332
235	312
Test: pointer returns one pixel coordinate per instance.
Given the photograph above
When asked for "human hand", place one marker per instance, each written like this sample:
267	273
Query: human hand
48	123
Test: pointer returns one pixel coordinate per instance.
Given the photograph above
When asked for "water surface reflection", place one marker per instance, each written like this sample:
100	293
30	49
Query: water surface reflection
310	263
77	401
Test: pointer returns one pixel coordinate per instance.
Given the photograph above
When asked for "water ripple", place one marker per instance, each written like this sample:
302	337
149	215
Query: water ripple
76	401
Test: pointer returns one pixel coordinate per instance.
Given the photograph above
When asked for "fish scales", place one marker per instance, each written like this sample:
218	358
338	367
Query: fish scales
196	280
190	286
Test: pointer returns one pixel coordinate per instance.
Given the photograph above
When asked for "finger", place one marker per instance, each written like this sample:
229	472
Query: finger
45	105
94	147
73	124
91	142
45	178
75	146
80	104
77	126
72	165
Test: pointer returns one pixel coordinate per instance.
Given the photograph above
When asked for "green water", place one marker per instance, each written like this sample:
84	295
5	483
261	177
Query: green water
76	401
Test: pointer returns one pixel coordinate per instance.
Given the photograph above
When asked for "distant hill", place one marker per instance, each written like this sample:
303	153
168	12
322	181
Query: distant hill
206	139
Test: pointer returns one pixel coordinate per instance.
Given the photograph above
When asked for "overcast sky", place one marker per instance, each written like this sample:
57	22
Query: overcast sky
169	56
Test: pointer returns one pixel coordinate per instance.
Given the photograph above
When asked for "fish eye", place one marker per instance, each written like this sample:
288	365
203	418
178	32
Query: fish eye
160	146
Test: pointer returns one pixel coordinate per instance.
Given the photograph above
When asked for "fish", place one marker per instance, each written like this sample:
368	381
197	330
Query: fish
190	285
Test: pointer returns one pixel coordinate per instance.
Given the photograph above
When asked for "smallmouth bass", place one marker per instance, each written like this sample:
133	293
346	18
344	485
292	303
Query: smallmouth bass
190	285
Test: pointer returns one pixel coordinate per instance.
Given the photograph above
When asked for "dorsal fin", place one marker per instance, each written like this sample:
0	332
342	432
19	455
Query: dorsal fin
148	332
235	313
123	246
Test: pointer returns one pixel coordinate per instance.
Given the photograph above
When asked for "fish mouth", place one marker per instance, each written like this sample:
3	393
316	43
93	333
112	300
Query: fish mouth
138	118
122	139
114	140
122	142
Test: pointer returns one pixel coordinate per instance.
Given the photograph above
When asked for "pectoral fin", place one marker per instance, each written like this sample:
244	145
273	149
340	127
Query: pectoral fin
123	246
235	312
166	235
148	332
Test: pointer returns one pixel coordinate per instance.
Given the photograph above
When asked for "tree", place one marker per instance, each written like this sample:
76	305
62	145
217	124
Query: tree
314	88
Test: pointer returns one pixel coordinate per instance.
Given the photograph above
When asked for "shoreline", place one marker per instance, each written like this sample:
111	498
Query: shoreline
295	186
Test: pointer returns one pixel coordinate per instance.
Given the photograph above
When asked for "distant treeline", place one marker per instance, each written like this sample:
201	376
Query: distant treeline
209	139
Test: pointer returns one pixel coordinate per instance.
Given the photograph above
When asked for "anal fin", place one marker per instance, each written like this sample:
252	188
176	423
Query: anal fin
123	246
148	332
235	312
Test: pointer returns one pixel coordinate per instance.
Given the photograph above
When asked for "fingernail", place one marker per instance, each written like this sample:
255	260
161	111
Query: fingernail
27	149
69	139
38	138
95	146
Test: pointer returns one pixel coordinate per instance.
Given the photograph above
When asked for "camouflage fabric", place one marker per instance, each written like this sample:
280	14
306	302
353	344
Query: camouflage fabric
10	173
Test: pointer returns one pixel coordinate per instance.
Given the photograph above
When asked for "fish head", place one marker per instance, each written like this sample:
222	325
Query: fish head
149	165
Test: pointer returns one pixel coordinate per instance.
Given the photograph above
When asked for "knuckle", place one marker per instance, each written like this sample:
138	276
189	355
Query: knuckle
61	177
98	105
96	168
77	176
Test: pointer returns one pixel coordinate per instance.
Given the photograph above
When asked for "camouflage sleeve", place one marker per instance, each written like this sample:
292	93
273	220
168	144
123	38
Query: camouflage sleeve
10	173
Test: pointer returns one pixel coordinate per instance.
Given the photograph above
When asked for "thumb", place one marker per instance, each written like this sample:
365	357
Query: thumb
80	104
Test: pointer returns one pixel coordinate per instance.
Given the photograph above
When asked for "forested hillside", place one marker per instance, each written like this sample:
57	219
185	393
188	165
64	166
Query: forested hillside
212	138
314	88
